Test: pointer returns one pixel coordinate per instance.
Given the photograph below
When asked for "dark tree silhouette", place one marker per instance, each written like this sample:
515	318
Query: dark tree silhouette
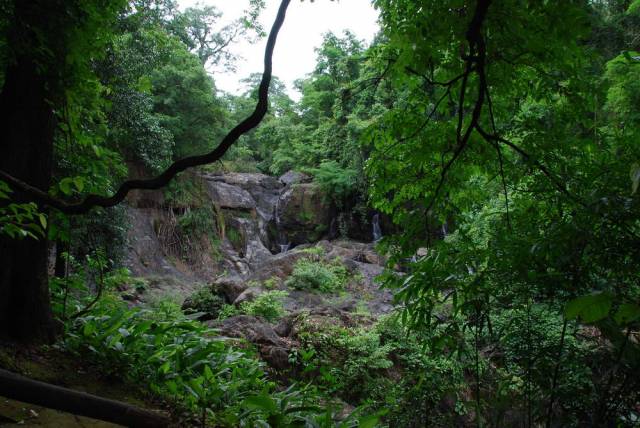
27	117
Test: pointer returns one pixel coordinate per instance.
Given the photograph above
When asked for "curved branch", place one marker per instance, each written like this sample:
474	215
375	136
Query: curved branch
527	157
93	200
475	62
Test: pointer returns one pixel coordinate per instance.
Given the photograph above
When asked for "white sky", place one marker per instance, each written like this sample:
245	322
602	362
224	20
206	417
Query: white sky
306	22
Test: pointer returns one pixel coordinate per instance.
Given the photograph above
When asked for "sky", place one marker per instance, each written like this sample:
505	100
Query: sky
294	55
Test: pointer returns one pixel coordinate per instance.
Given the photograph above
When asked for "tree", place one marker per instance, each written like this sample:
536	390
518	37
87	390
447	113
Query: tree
513	148
46	41
185	103
50	43
196	28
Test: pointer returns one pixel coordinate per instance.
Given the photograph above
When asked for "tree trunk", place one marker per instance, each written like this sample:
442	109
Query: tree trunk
79	403
60	266
27	121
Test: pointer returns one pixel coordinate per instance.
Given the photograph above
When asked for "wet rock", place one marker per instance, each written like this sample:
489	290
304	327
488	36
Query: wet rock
252	247
263	189
279	266
273	349
252	329
230	287
228	196
284	327
277	357
299	299
303	213
247	295
294	177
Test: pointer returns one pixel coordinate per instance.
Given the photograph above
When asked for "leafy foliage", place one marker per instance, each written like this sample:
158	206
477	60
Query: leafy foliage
20	220
267	305
317	275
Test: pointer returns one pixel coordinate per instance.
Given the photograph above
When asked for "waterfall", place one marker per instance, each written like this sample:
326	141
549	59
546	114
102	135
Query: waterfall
281	236
284	248
445	230
377	232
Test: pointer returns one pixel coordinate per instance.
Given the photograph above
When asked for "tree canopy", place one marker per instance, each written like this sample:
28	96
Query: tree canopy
496	143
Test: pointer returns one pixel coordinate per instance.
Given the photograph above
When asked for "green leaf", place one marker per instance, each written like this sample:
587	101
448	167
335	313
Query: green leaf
589	308
89	328
208	374
164	368
627	313
43	220
368	421
65	186
79	183
261	402
172	387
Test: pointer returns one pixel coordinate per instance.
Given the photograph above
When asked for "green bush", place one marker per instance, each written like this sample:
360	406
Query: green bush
266	305
174	355
185	363
533	336
317	275
227	311
382	367
206	301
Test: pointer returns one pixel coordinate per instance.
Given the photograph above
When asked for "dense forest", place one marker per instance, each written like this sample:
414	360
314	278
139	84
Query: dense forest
442	231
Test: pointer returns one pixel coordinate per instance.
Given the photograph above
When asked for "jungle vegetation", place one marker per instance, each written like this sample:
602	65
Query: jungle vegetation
512	125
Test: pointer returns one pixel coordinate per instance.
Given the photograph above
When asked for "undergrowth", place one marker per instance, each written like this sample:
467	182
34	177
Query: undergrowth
318	275
187	364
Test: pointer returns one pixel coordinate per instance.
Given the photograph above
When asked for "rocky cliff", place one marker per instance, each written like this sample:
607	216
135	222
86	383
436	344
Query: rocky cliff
263	228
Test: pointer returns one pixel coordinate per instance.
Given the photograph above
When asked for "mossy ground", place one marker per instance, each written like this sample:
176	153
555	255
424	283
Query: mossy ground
51	365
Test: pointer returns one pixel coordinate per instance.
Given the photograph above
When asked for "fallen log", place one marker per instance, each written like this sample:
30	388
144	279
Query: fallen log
20	388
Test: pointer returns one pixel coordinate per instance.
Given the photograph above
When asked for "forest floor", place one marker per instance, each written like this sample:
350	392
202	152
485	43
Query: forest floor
52	365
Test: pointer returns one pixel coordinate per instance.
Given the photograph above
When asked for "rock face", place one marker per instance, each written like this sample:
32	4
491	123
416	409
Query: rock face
254	215
294	177
273	349
257	217
303	213
247	203
264	215
231	197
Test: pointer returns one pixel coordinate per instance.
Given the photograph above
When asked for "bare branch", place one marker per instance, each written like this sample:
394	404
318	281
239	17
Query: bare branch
93	200
475	62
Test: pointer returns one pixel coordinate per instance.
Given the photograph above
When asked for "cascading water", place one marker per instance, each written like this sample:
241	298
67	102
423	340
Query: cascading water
281	236
284	248
445	230
377	232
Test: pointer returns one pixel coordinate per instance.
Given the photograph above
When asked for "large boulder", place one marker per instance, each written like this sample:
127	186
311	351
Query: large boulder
230	287
228	196
247	295
294	177
273	349
247	237
263	189
303	213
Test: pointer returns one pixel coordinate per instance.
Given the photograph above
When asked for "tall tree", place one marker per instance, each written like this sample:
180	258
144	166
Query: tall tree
46	42
51	42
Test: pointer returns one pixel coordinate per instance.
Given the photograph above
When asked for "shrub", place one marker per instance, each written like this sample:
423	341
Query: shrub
206	301
266	305
174	355
317	275
227	311
382	367
184	362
